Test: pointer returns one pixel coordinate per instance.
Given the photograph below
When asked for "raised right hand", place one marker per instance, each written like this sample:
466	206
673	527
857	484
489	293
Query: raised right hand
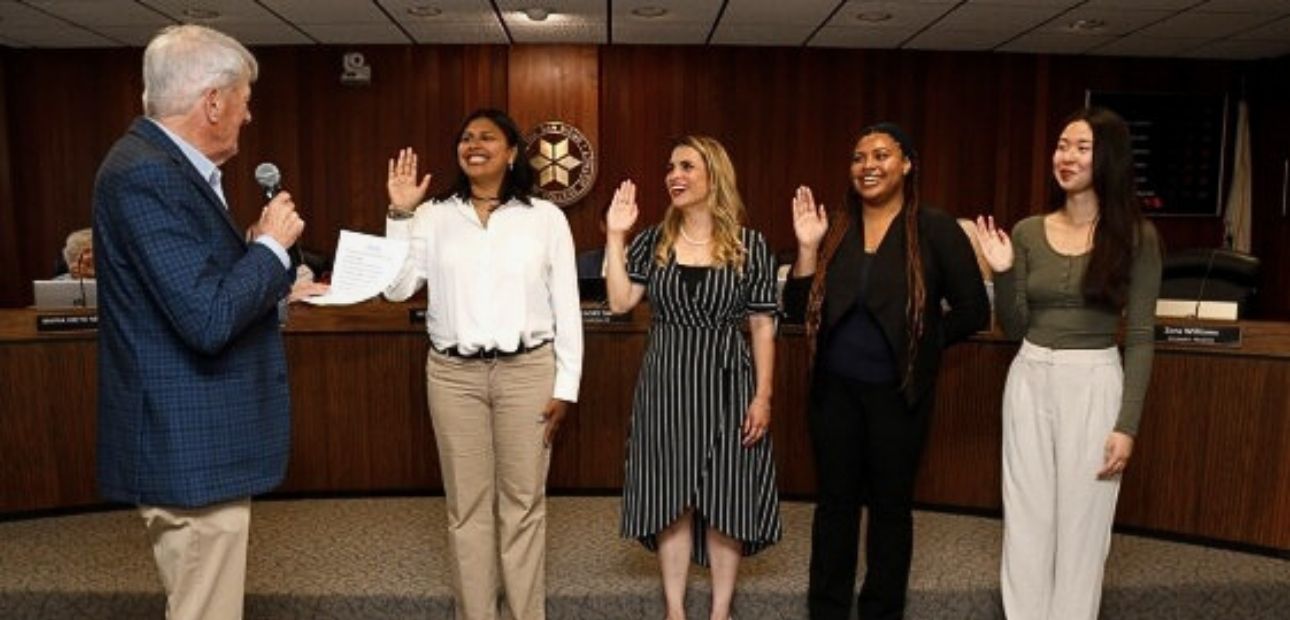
622	210
279	220
809	220
401	181
996	247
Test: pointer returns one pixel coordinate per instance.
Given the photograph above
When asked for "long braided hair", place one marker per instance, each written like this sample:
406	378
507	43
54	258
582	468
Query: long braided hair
916	297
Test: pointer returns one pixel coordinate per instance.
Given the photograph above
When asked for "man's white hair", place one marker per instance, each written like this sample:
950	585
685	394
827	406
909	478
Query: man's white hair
182	62
77	242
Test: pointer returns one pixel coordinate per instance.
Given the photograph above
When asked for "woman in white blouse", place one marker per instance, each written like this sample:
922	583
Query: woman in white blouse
505	353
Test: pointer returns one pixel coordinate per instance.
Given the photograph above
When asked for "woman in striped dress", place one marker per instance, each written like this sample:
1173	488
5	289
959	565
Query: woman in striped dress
700	480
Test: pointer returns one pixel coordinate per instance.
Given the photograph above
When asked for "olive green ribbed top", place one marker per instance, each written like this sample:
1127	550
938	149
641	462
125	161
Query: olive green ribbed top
1039	299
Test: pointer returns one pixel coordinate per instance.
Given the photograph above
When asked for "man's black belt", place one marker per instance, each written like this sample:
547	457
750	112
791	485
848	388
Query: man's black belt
491	354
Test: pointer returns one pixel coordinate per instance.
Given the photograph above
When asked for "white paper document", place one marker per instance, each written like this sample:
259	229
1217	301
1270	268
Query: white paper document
365	265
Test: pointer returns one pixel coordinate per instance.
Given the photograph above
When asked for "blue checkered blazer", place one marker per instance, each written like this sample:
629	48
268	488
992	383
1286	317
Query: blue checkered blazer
193	400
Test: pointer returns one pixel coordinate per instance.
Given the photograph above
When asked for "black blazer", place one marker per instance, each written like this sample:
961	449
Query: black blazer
949	272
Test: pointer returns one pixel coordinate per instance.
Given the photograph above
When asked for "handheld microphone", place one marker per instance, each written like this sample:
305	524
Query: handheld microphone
270	180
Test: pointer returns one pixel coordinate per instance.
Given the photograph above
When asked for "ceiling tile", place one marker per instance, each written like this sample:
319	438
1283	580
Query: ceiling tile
958	40
315	12
61	36
459	21
904	15
240	11
1118	21
1278	30
771	22
1245	6
96	13
980	17
838	36
1241	49
261	33
357	33
686	22
691	33
1205	25
451	33
1054	43
1141	5
571	21
1138	45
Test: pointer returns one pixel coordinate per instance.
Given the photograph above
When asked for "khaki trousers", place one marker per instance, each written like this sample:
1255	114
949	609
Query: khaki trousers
489	429
1059	406
201	555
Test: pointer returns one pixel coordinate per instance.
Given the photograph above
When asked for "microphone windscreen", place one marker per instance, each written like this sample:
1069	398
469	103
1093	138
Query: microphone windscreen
267	175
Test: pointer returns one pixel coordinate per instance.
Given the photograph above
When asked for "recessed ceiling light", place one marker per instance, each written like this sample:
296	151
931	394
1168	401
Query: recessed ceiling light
649	12
873	17
537	13
201	13
424	10
1090	25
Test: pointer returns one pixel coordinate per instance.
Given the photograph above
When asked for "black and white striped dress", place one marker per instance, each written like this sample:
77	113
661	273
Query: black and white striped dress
695	385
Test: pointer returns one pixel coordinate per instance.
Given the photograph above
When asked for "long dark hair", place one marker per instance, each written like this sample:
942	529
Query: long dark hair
916	295
1119	211
517	183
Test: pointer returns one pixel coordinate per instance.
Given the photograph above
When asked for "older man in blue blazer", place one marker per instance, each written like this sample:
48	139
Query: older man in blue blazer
194	416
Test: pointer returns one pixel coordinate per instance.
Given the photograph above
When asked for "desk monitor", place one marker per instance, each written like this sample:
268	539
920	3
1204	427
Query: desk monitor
65	293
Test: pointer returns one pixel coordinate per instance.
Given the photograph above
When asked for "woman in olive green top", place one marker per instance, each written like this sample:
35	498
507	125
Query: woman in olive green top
1065	281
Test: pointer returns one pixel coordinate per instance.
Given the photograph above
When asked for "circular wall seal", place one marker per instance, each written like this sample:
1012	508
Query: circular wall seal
563	162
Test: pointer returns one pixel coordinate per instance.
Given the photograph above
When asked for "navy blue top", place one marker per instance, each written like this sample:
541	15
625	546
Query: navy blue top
856	348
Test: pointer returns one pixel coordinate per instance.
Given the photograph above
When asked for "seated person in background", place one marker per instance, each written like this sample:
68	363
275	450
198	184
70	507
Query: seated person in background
591	263
78	256
309	267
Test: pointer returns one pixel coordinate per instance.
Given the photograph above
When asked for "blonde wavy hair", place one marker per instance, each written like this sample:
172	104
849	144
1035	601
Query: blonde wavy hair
723	201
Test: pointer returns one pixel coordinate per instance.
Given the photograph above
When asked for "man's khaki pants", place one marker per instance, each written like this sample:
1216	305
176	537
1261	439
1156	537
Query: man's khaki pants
201	555
489	429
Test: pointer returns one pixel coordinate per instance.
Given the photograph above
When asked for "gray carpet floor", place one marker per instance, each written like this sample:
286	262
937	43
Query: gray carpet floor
387	558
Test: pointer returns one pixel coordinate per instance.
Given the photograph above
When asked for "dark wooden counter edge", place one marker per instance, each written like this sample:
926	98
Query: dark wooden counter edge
1258	338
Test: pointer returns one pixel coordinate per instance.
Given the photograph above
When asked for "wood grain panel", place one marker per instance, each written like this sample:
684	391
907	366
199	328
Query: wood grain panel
1209	460
12	281
984	124
561	83
47	424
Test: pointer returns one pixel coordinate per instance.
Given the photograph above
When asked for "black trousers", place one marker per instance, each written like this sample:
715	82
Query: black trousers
867	442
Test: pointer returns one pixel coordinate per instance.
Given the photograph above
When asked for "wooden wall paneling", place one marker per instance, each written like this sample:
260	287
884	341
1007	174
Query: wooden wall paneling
1245	450
47	439
562	83
12	283
590	452
967	428
272	136
360	420
985	123
789	426
1269	98
1222	475
65	109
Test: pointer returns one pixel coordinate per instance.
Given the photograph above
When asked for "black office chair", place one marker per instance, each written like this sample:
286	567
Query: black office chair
1211	275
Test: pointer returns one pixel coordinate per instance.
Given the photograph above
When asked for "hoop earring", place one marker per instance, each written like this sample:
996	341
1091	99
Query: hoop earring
510	165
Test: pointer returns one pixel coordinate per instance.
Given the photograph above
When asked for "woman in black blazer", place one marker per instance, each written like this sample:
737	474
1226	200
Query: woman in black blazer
870	288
